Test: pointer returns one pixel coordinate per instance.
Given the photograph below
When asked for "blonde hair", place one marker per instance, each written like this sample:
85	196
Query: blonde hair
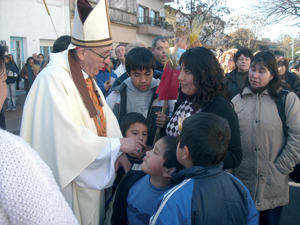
231	53
196	44
256	52
133	45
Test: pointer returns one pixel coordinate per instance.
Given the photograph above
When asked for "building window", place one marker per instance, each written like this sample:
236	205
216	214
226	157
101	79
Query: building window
46	50
143	15
154	18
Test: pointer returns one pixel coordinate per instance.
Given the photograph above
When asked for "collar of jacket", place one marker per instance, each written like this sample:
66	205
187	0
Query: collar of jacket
231	75
197	172
159	66
247	91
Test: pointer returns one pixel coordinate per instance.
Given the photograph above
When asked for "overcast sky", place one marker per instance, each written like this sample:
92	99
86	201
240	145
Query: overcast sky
273	31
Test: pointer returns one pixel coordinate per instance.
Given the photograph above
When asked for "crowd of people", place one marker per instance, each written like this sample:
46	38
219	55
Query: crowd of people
88	153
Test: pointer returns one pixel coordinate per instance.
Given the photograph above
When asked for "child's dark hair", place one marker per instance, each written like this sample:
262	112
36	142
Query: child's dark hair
132	118
207	137
170	157
140	58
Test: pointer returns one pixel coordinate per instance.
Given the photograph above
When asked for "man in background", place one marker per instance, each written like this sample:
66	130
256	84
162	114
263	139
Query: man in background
160	48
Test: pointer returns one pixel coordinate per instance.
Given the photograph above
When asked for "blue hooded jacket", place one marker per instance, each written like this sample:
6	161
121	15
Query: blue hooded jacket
206	196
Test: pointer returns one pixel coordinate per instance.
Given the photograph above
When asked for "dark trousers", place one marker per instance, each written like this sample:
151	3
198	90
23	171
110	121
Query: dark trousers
18	81
270	216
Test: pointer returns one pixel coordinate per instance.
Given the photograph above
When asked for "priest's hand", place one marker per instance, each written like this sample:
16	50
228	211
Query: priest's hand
124	162
131	146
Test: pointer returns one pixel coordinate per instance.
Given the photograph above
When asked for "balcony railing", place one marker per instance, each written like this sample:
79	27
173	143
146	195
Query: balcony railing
155	22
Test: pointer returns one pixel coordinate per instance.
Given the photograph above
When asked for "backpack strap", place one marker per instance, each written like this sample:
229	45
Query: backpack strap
123	103
295	175
154	96
280	102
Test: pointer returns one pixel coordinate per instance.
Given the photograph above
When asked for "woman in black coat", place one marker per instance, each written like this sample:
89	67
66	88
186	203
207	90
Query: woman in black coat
202	89
287	77
28	74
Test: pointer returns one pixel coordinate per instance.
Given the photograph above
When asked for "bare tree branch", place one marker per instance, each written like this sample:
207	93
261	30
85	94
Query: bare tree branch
246	30
206	12
276	10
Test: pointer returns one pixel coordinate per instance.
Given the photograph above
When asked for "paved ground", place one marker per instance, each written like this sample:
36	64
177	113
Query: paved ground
13	119
290	215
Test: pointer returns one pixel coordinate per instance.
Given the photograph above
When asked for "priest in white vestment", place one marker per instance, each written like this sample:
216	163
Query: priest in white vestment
67	121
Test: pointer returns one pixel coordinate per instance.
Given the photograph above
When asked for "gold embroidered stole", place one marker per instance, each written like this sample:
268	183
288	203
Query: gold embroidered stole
99	119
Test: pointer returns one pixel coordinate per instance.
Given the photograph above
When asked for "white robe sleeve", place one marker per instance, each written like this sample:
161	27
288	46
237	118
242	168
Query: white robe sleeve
100	174
112	99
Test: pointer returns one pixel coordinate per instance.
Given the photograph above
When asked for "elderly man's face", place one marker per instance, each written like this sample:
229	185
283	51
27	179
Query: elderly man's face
34	55
92	62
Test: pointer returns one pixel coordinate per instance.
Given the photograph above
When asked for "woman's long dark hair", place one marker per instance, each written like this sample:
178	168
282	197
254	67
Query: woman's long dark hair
208	75
7	57
268	60
12	59
29	58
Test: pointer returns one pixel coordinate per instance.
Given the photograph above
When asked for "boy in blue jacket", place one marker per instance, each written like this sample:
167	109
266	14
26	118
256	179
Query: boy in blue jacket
103	79
134	200
206	194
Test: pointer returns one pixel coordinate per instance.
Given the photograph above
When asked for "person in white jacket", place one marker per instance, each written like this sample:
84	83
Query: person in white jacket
28	191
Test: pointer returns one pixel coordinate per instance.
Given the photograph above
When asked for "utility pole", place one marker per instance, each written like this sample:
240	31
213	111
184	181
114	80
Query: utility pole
292	45
249	39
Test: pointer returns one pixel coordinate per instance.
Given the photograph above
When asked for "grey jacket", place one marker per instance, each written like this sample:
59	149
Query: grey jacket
118	102
266	164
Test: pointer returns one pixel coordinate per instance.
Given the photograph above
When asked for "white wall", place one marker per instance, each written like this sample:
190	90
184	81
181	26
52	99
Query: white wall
146	40
29	19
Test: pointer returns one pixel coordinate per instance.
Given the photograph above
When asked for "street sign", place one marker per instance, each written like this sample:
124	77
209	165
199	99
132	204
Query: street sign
272	47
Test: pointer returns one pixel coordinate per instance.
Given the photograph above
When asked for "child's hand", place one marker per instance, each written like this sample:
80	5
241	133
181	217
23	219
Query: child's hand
161	120
124	162
131	146
107	85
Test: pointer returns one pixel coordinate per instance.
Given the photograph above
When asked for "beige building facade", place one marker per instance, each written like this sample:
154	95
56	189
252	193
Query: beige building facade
131	20
138	20
135	20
